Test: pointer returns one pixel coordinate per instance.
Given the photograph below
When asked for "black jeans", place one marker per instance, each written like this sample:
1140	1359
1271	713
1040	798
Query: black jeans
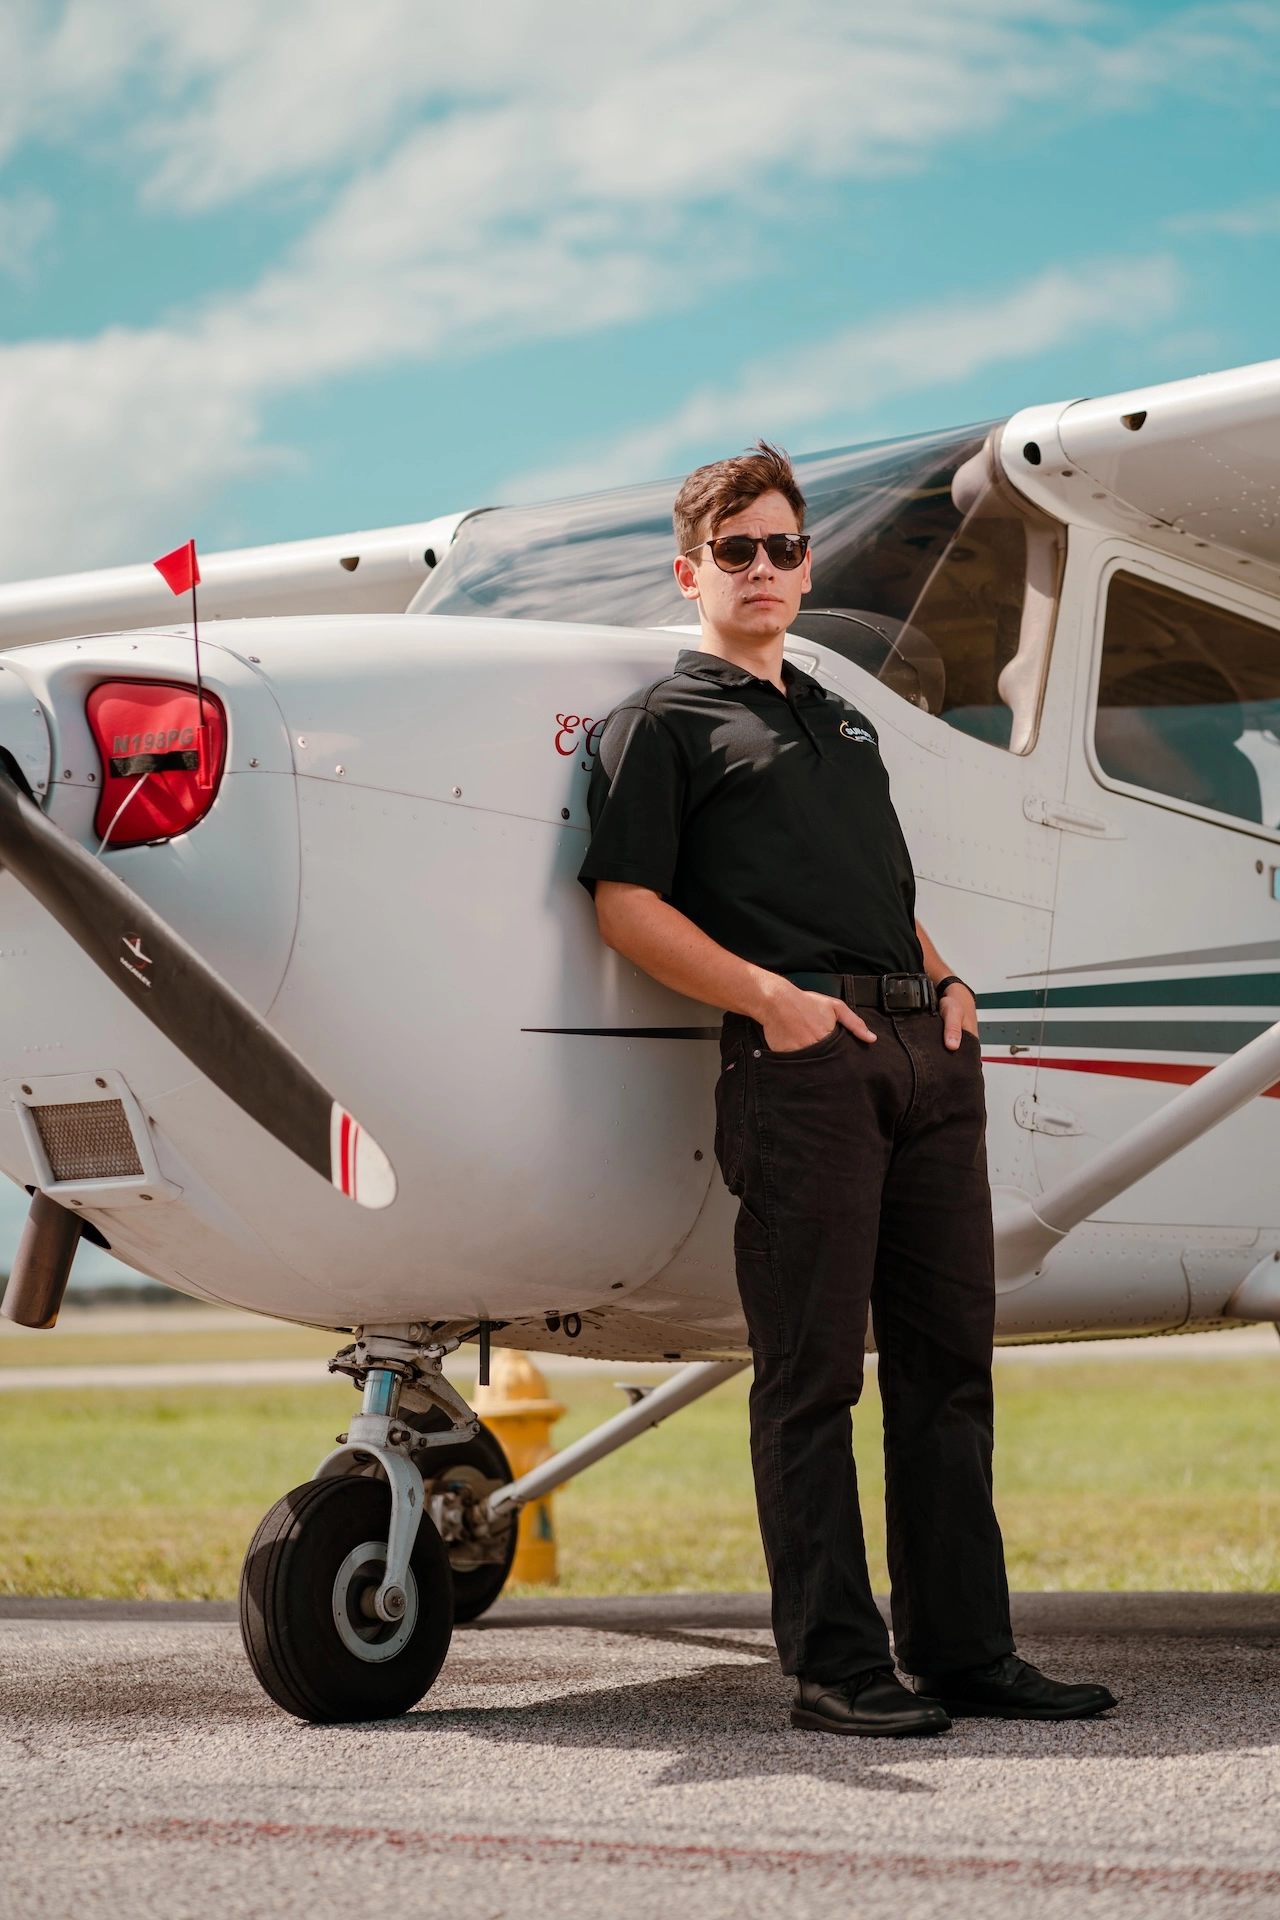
861	1172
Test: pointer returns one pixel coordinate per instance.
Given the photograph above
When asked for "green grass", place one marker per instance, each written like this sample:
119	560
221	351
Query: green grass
1156	1474
20	1347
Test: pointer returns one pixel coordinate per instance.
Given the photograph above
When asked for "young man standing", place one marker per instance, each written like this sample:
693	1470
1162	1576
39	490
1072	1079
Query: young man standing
745	852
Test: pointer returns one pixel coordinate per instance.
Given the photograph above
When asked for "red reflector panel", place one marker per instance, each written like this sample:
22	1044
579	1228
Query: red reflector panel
160	767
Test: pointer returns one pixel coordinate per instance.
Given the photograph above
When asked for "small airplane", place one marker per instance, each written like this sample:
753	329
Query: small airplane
342	854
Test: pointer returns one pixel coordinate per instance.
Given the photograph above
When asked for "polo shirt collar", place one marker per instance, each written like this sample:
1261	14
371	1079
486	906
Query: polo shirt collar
709	666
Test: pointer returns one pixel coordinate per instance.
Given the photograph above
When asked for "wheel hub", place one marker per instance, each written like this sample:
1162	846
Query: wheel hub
355	1589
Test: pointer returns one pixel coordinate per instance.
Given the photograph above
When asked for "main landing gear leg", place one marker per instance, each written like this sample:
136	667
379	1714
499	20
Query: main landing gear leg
346	1599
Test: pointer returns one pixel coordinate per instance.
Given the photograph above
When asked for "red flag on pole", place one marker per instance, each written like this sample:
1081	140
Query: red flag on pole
180	570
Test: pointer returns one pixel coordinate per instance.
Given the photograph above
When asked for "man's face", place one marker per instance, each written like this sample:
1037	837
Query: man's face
761	602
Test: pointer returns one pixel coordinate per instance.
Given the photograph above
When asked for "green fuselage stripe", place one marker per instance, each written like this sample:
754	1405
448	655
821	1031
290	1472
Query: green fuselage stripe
1148	1036
1217	990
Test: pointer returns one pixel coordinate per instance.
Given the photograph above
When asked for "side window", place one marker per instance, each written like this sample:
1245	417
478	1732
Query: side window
1189	701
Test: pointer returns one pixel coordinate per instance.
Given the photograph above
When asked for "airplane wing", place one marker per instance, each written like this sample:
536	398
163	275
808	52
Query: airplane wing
369	572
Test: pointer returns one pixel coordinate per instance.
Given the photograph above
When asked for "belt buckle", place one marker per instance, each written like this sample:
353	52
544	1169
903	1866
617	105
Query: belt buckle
904	993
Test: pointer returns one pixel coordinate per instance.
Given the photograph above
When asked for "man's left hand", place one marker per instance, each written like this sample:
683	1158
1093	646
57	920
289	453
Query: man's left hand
959	1012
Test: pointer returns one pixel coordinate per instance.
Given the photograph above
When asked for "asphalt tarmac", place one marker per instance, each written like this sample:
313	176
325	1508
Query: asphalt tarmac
590	1758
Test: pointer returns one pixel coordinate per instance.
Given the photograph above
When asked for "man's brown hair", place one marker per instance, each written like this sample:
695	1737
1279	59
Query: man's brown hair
713	494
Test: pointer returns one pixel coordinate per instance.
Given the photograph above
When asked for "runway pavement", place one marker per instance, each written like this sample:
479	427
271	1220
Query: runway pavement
589	1758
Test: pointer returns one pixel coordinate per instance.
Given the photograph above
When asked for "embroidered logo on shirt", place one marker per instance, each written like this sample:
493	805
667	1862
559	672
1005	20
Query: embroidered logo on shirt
850	732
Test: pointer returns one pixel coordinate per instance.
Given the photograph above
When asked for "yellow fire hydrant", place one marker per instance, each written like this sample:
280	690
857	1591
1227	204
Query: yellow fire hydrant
516	1405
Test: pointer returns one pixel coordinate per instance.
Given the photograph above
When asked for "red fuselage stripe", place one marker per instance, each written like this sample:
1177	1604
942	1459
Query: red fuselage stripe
1171	1072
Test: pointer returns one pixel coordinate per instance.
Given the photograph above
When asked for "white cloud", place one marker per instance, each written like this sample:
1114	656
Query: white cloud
516	171
104	442
223	100
561	180
678	98
836	382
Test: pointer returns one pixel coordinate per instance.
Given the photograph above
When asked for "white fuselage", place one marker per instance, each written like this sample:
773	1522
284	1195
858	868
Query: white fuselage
389	874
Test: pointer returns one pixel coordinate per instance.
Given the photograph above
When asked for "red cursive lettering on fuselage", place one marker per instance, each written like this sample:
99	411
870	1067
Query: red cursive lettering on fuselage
568	726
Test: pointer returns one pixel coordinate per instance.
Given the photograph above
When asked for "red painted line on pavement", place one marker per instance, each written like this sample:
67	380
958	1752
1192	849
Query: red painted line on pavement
1088	1875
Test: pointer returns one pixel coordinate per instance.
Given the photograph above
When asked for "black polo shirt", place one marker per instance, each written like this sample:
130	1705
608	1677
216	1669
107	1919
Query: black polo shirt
764	817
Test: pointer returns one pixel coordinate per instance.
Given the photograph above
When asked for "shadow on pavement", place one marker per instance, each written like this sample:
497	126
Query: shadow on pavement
729	1720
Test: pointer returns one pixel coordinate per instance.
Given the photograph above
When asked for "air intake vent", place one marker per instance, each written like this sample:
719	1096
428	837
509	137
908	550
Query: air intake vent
88	1140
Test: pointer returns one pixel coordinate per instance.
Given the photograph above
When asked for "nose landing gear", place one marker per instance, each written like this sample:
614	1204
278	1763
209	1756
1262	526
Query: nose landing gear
347	1593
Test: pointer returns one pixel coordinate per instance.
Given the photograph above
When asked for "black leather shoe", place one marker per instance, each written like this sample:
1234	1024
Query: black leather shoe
1012	1689
875	1704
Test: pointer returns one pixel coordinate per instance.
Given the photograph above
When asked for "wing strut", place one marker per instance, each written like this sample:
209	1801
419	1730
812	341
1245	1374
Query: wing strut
1028	1229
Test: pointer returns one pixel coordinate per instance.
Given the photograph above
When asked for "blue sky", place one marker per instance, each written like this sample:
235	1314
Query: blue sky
267	272
274	271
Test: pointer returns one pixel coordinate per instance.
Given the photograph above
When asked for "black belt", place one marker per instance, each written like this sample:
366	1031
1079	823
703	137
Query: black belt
891	992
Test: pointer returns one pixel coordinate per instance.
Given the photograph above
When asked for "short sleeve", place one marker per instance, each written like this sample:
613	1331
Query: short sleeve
636	801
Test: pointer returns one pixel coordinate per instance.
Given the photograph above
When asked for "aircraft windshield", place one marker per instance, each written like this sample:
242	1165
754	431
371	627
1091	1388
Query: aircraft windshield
924	586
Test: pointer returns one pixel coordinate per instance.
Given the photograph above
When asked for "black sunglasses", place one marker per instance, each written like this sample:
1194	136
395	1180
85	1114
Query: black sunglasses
737	551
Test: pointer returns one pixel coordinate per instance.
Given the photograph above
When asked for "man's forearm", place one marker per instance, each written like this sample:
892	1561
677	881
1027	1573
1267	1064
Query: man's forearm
645	929
934	964
958	1006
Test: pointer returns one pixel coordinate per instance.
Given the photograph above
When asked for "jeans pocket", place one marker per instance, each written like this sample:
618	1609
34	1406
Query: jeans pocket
731	1112
829	1043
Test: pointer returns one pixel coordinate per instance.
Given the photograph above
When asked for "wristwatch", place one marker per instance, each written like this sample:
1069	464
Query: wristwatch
951	980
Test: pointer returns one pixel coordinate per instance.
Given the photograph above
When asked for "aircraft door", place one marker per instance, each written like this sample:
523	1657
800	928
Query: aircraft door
1166	943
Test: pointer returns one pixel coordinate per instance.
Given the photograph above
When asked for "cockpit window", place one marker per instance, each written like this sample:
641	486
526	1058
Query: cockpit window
1189	701
946	592
929	572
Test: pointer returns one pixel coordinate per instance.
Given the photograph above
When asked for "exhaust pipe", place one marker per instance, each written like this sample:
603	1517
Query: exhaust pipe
42	1265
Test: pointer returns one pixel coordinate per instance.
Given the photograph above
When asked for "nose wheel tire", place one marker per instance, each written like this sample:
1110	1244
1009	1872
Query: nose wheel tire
306	1605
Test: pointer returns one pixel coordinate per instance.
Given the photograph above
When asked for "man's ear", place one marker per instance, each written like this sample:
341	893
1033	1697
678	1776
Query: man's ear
686	577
